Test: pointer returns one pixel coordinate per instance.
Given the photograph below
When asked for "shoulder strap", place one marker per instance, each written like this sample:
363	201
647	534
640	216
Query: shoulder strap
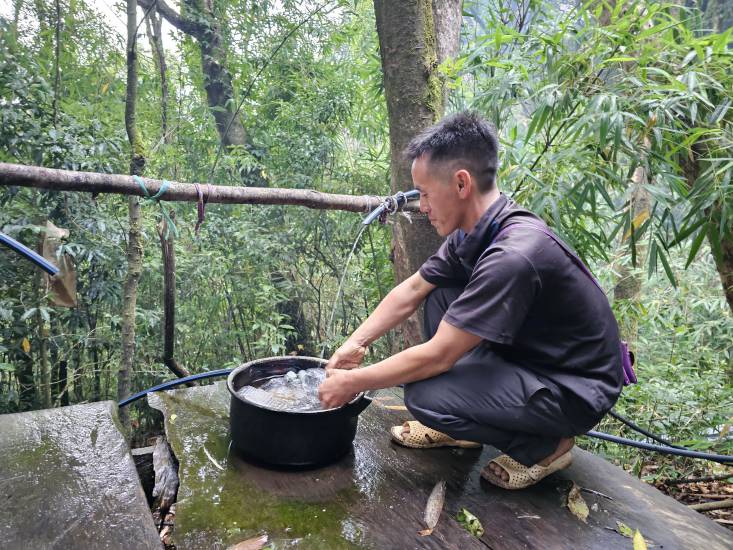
627	357
572	255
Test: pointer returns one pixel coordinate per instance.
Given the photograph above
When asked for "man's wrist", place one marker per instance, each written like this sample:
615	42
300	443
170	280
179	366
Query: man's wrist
355	382
360	341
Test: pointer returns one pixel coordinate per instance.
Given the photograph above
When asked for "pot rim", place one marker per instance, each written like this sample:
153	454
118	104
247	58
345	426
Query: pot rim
235	372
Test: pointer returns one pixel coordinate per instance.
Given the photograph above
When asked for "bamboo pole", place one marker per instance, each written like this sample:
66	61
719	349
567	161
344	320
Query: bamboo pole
93	182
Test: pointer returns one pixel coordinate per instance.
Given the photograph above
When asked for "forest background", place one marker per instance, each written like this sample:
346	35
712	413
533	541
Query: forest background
615	126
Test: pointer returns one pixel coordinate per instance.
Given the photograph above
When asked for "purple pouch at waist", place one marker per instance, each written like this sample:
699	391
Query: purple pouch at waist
627	361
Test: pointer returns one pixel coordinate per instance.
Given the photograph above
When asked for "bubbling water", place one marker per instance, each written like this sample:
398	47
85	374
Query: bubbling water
295	391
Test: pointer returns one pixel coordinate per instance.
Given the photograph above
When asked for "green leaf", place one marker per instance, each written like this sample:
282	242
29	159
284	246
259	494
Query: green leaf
470	523
639	542
623	529
652	259
696	245
621	59
689	57
28	313
667	269
719	111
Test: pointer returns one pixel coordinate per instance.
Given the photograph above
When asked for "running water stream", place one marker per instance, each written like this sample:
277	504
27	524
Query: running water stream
298	391
341	287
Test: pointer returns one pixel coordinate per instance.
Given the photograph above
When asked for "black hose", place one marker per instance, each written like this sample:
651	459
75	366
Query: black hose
174	383
642	431
722	459
667	448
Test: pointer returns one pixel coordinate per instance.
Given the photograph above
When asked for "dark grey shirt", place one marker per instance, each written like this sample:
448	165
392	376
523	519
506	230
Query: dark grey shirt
534	305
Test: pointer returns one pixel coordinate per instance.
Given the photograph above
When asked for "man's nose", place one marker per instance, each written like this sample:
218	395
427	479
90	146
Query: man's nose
424	206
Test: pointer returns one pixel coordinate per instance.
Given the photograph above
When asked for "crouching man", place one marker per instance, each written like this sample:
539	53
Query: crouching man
522	349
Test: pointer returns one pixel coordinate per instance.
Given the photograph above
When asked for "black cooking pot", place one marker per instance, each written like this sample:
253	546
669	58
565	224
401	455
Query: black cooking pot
290	439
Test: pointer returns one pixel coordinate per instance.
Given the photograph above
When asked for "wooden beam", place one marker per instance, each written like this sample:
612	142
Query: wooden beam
93	182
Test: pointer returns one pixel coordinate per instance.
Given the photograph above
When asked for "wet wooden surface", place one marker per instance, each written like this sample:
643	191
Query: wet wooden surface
376	496
67	480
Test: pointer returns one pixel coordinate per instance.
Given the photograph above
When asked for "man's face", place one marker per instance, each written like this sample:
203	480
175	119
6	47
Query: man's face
438	195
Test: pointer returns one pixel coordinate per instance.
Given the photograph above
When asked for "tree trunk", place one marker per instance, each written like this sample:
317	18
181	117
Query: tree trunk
13	30
57	64
153	25
628	285
44	368
134	241
723	260
690	163
169	298
26	384
414	35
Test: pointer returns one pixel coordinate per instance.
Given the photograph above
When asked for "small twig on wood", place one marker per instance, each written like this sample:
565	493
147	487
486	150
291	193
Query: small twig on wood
682	480
707	506
591	491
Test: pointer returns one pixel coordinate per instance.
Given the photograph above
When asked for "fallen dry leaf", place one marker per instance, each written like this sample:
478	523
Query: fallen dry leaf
255	543
433	508
395	407
576	504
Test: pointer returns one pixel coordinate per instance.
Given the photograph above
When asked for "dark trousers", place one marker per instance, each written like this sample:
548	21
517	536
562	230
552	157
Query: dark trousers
488	399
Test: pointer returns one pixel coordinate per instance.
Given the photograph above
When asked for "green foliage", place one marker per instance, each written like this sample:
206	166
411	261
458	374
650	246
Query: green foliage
685	368
316	120
581	105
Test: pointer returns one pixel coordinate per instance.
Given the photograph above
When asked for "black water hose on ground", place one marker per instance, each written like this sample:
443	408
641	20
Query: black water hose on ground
664	449
667	448
174	383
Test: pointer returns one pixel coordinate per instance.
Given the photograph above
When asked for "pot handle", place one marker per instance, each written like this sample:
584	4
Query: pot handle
356	408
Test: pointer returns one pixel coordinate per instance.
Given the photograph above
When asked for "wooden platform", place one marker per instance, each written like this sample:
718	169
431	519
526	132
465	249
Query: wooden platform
67	480
375	497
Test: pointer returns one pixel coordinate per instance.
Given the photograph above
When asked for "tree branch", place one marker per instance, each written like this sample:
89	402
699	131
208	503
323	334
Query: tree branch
174	18
92	182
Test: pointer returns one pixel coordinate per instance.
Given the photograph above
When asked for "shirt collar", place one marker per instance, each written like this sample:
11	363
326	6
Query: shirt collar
474	243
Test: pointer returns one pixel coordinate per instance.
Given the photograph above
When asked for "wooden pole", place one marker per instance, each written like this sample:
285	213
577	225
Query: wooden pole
93	182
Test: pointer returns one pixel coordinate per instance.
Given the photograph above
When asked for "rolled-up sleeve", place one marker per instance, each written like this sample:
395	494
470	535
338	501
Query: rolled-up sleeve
444	267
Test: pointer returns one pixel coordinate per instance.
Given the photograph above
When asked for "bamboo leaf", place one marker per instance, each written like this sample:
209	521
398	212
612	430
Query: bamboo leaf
696	245
638	541
719	112
652	258
689	57
667	268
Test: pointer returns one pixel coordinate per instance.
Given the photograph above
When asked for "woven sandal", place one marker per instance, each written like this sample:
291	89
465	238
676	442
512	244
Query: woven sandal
521	476
422	437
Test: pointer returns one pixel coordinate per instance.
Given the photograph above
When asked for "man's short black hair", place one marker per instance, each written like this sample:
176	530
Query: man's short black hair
462	140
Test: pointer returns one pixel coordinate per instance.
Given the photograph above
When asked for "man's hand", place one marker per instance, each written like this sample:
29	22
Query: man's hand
348	356
337	389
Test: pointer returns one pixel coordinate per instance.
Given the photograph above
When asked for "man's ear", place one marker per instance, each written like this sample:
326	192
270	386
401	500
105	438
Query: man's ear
464	180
